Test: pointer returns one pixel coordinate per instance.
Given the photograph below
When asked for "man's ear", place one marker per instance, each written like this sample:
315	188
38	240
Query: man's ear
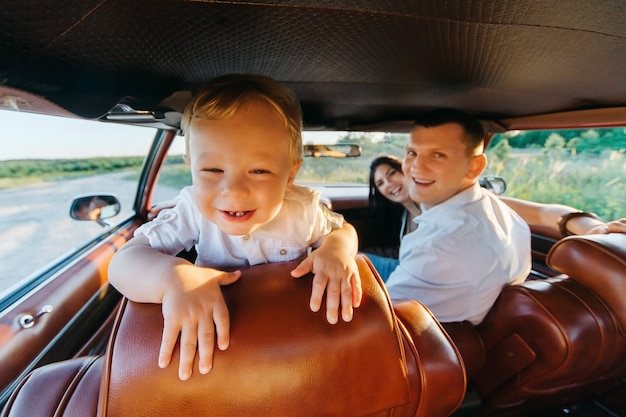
293	172
477	166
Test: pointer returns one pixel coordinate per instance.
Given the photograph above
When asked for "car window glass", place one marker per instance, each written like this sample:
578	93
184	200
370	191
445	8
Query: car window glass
174	174
44	163
347	170
583	168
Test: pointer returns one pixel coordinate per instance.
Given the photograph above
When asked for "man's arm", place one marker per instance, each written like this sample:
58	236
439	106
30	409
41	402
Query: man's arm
550	214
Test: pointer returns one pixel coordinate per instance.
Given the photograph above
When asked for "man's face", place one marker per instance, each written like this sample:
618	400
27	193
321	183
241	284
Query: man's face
241	167
436	164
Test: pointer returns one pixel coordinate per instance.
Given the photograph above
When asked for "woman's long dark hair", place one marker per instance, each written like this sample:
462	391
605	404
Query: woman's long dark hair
387	215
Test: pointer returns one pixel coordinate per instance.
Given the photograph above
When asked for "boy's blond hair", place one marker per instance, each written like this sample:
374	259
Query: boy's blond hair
224	95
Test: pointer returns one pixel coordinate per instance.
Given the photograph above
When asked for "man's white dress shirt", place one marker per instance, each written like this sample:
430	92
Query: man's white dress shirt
464	251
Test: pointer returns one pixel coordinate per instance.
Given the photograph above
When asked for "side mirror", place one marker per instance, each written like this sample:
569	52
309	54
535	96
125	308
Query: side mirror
95	208
496	185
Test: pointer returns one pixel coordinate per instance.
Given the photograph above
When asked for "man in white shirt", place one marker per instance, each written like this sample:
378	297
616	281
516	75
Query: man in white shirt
468	244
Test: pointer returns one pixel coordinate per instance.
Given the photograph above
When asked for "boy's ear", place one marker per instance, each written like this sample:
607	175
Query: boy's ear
293	172
477	166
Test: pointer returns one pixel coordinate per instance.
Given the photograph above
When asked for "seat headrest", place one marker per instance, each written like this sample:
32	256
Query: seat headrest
599	263
283	359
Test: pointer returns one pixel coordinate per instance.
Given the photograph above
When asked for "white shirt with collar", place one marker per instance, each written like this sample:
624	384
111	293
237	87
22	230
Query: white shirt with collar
301	223
464	251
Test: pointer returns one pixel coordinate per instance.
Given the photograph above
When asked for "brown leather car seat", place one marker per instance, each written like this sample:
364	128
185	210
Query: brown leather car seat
283	360
552	340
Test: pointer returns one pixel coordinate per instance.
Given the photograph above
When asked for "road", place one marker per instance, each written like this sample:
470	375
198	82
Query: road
35	227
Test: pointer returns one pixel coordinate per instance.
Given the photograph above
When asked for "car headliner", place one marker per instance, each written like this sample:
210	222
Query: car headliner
372	65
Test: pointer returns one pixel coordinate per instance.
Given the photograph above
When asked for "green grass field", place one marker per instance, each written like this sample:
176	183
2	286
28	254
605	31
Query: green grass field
589	181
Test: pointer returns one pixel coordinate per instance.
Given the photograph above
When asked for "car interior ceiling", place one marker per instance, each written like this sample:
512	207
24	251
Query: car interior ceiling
358	67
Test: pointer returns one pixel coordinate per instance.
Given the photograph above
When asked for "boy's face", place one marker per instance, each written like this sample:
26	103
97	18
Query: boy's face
436	164
241	167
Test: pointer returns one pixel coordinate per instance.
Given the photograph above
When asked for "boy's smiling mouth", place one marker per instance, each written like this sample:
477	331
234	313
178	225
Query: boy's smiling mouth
237	216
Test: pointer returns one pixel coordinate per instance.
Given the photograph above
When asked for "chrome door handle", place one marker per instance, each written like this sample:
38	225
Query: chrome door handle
28	320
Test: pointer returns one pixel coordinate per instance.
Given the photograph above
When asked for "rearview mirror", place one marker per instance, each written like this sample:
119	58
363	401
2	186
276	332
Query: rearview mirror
343	150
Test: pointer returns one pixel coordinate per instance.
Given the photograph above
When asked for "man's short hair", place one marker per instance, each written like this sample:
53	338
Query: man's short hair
474	130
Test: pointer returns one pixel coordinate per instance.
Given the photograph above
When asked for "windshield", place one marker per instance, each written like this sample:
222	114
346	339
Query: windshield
348	170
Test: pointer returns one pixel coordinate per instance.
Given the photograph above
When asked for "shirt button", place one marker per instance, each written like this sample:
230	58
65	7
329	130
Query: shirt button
246	237
283	252
166	216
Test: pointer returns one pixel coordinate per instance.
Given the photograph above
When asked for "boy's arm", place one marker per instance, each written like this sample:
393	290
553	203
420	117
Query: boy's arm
142	273
191	300
336	273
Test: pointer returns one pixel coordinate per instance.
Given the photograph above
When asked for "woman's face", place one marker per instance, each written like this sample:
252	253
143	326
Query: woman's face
390	182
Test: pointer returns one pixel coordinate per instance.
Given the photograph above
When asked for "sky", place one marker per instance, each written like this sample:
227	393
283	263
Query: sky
53	137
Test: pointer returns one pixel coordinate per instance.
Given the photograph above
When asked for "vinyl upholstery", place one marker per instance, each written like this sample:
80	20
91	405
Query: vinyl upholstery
64	389
283	360
550	341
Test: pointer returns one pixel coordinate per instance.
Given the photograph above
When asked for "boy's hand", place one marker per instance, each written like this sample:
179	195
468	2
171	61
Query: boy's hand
336	272
194	308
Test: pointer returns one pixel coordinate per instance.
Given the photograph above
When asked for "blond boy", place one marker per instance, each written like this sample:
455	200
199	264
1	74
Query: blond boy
243	136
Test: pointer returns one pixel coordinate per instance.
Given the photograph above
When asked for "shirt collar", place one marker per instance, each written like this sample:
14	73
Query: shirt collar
467	196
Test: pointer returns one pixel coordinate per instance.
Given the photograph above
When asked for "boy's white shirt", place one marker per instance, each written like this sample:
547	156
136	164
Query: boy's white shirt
301	223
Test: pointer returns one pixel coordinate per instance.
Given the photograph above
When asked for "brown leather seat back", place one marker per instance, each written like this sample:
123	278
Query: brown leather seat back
283	359
63	389
554	340
599	263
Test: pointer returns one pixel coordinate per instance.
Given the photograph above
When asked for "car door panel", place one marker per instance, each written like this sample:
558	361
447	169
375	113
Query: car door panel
542	239
80	280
